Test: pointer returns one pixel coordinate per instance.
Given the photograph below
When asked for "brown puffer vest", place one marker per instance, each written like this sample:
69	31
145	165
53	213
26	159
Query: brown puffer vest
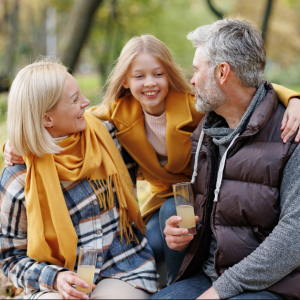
248	206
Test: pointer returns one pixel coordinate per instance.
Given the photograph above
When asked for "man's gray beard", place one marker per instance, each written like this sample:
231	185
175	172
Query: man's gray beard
211	96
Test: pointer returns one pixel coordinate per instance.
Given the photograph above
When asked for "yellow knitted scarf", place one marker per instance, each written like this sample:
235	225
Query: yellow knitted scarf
89	154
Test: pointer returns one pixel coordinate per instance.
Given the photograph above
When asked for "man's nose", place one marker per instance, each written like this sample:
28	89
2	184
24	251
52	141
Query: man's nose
192	80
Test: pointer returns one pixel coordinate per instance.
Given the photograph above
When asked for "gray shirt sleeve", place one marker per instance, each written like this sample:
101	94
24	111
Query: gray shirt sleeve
279	254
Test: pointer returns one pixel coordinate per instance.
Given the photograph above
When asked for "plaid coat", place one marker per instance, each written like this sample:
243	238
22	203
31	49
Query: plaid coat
133	263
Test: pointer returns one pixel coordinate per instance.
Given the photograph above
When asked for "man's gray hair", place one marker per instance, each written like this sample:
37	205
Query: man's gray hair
236	42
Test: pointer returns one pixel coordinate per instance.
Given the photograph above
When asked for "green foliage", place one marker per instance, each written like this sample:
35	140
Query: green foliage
3	132
89	87
3	106
169	21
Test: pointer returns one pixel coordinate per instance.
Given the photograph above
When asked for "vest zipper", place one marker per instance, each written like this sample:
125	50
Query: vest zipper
214	232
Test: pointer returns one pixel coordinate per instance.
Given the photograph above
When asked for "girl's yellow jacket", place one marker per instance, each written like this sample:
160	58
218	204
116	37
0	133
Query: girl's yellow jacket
182	119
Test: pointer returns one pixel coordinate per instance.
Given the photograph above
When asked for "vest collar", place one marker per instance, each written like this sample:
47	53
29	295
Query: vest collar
263	112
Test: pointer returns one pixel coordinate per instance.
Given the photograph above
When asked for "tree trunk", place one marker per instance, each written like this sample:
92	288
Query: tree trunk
266	19
108	46
214	10
12	28
77	30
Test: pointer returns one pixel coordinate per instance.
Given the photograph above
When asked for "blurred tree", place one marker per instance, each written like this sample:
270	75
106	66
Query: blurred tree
266	19
10	27
119	20
76	31
214	10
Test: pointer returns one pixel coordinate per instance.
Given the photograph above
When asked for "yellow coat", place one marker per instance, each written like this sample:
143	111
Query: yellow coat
182	119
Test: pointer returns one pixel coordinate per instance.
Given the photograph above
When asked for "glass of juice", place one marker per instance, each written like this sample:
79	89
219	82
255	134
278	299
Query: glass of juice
184	201
86	267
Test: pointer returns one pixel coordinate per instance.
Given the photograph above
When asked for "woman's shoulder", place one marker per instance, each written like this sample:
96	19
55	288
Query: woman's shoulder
13	176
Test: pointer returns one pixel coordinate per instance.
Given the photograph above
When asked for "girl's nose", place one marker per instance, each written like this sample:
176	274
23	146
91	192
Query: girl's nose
150	82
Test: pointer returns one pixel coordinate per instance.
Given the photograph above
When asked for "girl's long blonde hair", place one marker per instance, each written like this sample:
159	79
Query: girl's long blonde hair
153	46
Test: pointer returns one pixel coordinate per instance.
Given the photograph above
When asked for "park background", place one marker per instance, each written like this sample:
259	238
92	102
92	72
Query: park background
88	35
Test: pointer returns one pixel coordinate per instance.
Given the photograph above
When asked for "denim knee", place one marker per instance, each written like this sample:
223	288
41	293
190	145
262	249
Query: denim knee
167	210
154	237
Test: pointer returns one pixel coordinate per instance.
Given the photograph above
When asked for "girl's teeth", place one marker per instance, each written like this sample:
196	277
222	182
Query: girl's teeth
150	93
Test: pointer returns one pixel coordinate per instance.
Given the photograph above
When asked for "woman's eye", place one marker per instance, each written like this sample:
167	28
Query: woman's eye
75	100
138	76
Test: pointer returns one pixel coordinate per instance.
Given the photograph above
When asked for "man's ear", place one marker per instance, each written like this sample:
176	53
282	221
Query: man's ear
48	122
223	72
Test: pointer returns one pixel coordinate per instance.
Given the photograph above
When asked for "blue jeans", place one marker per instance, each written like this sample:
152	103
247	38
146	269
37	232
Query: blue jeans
196	285
156	239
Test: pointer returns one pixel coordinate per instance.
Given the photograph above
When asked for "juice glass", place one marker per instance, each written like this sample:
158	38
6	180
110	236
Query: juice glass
86	267
184	201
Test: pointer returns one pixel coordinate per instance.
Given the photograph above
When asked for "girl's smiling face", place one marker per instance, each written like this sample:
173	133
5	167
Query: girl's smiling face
148	83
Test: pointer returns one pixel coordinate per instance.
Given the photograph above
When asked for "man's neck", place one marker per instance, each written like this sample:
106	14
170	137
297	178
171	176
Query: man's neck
234	109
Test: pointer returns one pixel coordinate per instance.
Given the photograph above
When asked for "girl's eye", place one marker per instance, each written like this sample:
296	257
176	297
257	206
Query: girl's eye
159	74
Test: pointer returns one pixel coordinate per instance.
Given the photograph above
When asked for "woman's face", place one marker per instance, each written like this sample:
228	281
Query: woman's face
67	118
148	83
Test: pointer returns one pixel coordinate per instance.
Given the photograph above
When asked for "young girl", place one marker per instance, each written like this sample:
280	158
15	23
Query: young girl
153	108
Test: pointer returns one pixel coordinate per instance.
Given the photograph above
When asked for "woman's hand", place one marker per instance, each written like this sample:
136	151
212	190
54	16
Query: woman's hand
174	238
291	120
12	157
63	284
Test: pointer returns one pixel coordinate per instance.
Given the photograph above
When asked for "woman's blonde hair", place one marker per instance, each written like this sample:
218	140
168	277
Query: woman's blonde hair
153	46
34	92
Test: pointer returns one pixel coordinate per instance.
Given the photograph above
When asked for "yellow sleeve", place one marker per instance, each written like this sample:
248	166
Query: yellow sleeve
284	94
102	113
4	146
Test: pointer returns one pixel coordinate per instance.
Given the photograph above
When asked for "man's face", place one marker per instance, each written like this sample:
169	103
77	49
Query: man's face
209	96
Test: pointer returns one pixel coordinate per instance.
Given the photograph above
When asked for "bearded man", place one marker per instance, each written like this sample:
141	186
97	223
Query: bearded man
246	181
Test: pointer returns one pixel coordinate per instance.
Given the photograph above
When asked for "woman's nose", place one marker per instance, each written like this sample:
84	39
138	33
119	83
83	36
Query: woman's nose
86	102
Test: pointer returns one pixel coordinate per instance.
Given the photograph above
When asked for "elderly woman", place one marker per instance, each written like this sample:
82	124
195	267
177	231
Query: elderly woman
73	190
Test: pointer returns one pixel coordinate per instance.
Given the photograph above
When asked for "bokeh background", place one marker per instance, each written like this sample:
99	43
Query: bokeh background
88	35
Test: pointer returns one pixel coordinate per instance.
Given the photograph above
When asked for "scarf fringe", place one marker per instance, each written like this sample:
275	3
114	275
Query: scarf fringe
105	194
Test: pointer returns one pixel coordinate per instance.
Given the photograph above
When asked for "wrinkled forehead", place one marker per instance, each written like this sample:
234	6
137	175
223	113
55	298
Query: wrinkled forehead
199	56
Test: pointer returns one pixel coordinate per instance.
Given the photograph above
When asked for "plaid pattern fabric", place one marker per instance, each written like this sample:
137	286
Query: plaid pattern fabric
132	263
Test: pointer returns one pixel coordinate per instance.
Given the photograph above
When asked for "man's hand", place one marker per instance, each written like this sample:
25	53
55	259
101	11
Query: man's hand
12	157
174	238
211	293
63	284
291	120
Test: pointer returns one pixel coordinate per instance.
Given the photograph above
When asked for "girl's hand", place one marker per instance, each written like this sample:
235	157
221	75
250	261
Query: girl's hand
63	284
12	157
174	238
211	293
291	120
